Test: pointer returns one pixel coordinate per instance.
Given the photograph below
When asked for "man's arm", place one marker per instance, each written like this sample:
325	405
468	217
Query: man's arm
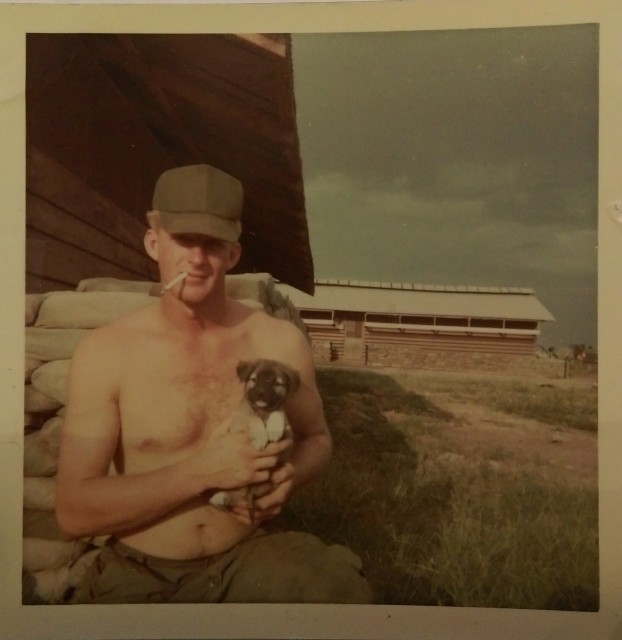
89	501
312	445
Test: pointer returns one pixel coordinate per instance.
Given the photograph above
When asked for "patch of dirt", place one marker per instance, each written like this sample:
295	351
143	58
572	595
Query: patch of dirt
479	434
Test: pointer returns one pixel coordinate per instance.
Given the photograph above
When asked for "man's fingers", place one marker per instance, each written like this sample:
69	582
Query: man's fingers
283	473
262	489
266	462
268	506
243	515
261	476
276	448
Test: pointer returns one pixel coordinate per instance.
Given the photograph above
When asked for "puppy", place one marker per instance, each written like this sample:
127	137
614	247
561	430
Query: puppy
267	385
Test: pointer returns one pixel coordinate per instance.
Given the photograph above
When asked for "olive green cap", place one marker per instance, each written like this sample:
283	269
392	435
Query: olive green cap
199	199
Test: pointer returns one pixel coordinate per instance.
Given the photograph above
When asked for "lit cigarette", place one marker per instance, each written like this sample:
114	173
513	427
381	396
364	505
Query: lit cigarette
174	281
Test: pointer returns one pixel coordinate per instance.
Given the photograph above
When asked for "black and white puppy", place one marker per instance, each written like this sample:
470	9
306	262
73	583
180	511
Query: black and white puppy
267	385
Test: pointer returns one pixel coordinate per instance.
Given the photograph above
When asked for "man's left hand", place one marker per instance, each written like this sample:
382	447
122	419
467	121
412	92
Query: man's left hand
274	495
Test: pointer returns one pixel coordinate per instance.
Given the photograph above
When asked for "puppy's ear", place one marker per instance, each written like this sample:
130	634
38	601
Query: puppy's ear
244	370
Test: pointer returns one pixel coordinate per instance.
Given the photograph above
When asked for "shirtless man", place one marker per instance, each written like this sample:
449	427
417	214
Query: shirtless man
154	393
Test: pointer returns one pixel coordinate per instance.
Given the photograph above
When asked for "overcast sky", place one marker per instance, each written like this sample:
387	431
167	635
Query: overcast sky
456	157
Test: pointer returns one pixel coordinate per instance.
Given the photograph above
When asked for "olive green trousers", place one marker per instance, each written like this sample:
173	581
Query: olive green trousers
281	567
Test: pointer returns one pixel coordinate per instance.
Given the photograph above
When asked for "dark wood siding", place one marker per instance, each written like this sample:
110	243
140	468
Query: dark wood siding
114	111
457	342
72	232
332	336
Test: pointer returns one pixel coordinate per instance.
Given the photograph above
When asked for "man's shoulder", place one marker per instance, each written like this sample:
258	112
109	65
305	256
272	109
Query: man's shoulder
141	318
278	339
116	335
264	322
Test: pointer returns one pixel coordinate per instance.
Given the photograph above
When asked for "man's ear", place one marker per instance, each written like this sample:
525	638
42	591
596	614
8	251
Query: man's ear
151	244
235	253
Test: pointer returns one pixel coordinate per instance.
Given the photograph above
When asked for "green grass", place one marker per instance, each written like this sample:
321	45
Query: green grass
574	408
512	541
464	536
563	406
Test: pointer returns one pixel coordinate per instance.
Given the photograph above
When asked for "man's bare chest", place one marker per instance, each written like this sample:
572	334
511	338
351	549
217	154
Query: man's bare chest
172	396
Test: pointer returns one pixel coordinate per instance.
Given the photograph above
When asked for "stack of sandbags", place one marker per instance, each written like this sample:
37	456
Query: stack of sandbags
46	556
251	288
256	290
55	323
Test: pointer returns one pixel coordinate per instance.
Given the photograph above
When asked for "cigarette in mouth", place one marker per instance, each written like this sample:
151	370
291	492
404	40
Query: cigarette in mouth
178	278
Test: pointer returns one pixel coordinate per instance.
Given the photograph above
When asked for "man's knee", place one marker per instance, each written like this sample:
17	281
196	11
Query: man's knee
344	569
297	567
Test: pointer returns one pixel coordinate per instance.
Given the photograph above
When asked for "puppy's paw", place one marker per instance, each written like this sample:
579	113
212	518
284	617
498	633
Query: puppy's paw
275	426
221	499
257	433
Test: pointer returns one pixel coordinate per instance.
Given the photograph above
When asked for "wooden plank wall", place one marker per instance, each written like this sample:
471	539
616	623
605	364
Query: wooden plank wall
90	163
237	98
114	111
456	342
72	232
78	116
446	342
328	335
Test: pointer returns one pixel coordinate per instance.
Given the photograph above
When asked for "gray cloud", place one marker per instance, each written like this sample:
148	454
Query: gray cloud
456	157
407	104
392	235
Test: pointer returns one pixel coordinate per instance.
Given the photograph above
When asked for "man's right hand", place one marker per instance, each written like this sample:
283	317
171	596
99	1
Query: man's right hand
229	461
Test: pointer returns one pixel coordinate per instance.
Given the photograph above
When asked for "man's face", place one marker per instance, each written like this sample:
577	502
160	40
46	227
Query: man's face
205	259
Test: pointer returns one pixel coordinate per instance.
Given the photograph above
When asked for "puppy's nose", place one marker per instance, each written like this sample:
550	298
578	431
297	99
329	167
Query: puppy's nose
268	376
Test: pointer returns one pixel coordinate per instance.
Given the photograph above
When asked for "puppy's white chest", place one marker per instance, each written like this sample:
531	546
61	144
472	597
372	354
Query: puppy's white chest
275	426
261	432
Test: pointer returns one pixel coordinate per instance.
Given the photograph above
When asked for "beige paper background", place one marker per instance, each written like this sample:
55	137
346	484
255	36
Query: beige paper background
278	621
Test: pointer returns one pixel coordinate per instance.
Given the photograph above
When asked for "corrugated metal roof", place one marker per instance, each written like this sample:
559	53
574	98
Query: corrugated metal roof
512	303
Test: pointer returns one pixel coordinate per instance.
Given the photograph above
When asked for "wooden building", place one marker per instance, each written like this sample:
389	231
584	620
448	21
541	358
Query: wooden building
397	324
106	114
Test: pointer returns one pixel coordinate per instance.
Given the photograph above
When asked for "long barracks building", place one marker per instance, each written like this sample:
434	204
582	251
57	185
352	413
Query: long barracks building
421	326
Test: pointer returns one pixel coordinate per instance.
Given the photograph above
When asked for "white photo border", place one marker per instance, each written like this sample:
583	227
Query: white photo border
86	622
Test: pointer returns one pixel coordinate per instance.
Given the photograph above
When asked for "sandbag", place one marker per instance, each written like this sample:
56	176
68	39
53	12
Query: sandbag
249	286
52	344
33	303
277	299
51	379
52	586
253	304
36	401
41	524
49	435
38	461
39	493
45	587
30	365
88	310
39	554
281	313
116	284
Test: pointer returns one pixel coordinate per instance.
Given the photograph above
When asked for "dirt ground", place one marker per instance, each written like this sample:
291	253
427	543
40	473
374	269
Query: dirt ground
478	434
